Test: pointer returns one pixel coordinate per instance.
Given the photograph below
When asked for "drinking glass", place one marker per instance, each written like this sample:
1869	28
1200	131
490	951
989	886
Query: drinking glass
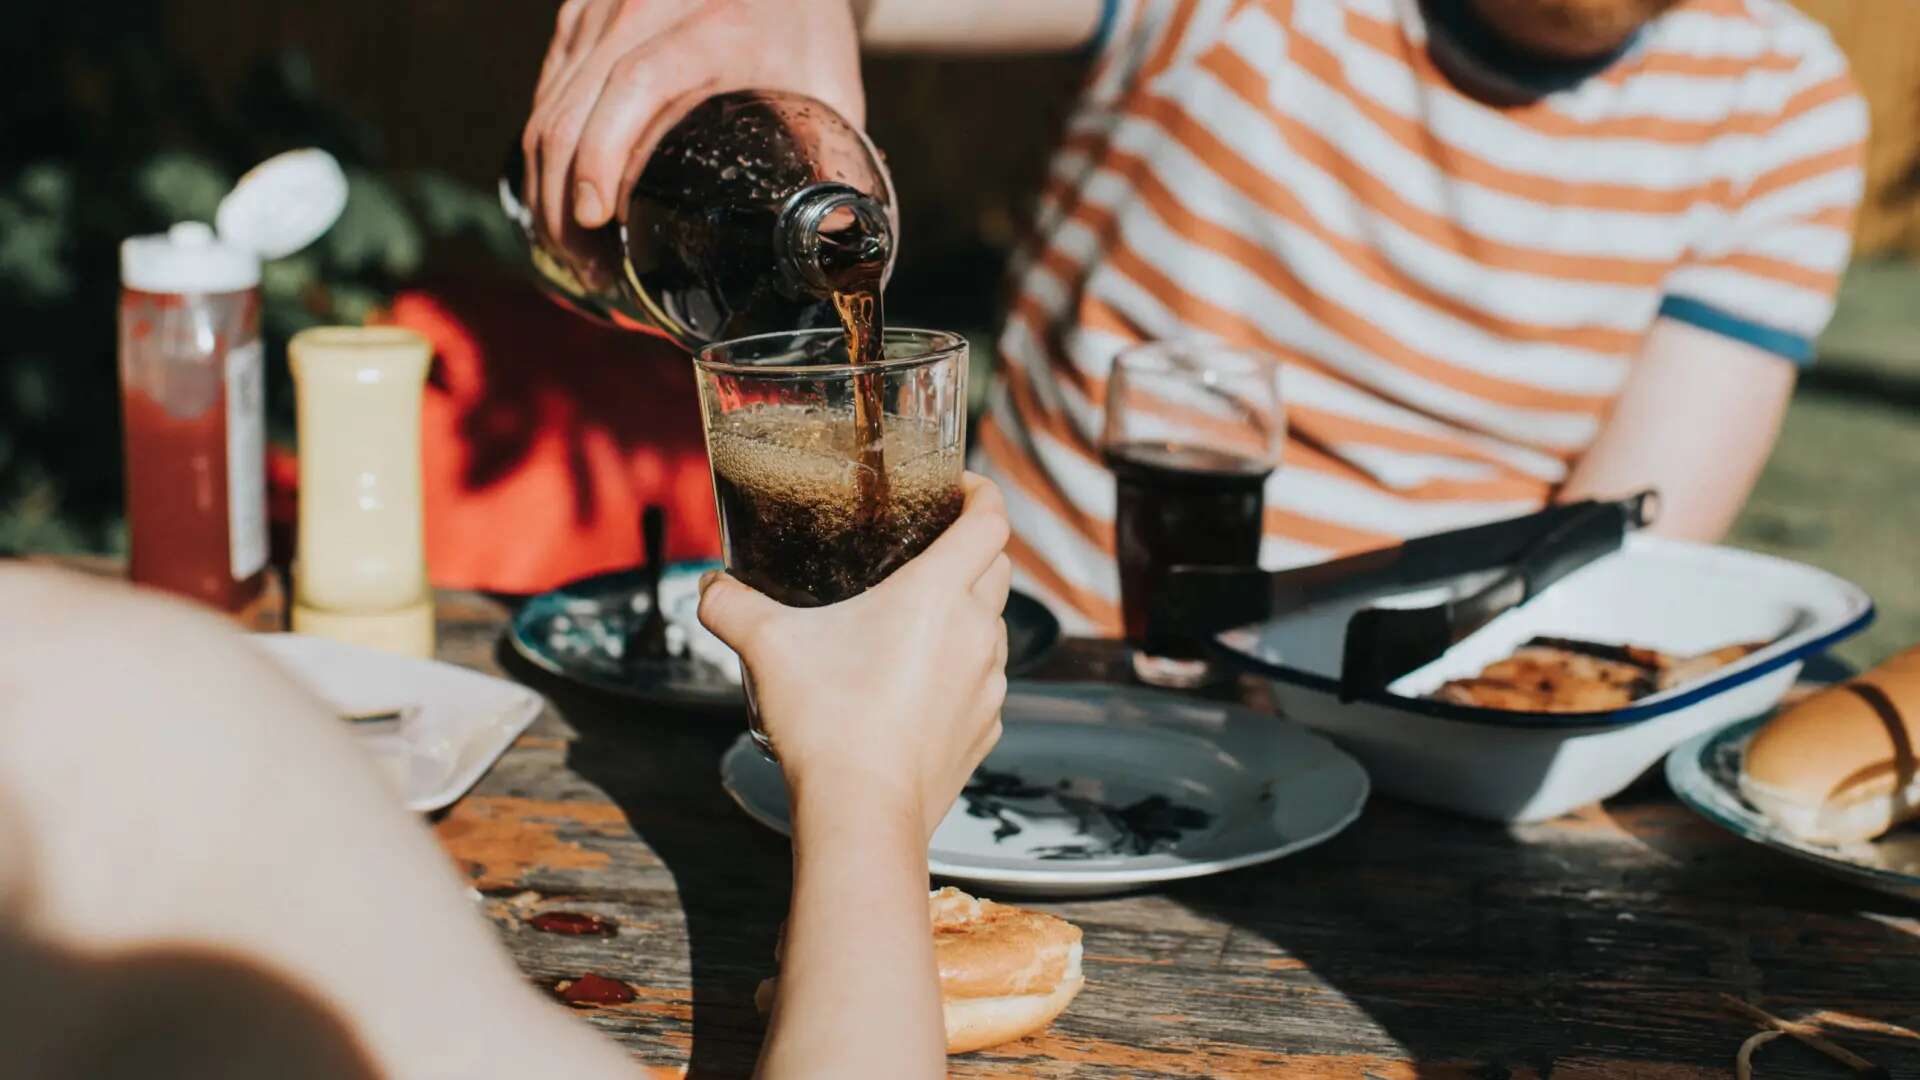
829	476
1193	430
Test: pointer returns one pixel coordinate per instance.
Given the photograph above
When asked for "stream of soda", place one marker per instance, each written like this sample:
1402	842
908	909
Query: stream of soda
856	297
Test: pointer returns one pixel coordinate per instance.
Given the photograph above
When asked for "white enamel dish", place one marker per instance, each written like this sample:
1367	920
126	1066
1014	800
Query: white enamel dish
455	723
1512	766
1100	789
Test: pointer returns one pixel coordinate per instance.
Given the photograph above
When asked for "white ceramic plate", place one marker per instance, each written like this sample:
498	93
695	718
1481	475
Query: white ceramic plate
1517	766
457	722
1704	772
1099	789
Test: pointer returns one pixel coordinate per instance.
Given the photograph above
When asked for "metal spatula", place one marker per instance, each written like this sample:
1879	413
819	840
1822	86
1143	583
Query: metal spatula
1525	555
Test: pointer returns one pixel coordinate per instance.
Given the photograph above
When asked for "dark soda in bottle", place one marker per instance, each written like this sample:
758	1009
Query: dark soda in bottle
751	214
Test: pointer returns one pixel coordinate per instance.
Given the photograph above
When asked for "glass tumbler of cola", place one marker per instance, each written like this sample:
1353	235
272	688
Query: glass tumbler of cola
1193	430
829	475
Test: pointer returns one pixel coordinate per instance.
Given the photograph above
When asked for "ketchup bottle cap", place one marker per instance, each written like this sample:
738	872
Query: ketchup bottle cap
280	206
284	203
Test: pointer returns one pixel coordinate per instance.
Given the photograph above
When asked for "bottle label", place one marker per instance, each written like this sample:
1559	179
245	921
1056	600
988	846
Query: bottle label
246	461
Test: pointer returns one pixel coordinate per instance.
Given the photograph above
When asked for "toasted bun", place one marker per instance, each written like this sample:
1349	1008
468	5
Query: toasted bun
1005	972
1839	767
977	1023
989	950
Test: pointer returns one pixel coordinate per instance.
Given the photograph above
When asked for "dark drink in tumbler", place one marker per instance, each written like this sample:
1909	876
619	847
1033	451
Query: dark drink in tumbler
794	517
1193	430
1180	505
836	455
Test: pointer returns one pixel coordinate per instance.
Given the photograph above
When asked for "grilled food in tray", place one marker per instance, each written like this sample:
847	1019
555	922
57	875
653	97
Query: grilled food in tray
1567	675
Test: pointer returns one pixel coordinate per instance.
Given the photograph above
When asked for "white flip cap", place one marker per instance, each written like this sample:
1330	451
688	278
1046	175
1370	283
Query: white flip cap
284	203
186	259
280	206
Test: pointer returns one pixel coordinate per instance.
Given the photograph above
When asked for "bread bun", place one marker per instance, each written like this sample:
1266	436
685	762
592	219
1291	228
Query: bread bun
1005	972
1839	767
977	1023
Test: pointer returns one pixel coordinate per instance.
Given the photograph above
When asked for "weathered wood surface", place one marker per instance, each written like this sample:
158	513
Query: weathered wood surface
1415	945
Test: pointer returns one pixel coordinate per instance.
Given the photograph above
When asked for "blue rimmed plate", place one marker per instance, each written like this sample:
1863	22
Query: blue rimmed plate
1704	772
1100	789
578	633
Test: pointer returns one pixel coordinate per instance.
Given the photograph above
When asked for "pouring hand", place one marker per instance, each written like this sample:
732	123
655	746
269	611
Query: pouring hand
619	73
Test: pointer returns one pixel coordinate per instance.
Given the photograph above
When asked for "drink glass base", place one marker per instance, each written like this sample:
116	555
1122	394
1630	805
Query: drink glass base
1172	674
754	727
762	743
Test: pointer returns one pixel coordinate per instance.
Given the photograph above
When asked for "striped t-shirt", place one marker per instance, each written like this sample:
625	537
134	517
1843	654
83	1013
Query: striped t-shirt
1457	289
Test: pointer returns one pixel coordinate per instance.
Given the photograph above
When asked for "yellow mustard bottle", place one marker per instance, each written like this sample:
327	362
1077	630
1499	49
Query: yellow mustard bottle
360	571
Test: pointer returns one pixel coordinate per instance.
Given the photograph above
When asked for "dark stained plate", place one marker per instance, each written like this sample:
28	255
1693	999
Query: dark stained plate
578	631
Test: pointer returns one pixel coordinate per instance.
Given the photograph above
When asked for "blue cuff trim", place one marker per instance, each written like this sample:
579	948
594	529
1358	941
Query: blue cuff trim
1109	13
1792	346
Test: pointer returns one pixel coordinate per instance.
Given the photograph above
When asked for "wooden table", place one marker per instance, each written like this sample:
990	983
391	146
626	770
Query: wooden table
1413	945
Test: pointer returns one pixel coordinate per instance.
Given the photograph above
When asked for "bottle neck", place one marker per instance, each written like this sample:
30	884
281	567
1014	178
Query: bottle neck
832	237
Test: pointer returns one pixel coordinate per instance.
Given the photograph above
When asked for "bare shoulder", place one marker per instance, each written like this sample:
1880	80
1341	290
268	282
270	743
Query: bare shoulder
48	612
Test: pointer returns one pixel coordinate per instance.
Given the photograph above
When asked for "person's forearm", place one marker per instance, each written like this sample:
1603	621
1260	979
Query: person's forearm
857	948
1696	422
977	26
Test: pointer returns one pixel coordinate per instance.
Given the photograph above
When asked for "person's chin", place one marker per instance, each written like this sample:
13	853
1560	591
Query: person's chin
1569	29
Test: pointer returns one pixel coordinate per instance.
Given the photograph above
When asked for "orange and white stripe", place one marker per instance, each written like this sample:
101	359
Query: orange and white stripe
1457	290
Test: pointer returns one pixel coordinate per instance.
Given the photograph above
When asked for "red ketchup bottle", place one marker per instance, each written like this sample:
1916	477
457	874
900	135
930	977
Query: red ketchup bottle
191	379
194	416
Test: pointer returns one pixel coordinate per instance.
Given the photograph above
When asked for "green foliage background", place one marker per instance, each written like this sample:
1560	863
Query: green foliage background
106	137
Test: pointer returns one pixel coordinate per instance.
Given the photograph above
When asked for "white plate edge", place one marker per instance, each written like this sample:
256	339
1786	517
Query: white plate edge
517	709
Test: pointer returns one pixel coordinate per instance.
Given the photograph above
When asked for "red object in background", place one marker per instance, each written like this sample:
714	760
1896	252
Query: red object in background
543	436
283	502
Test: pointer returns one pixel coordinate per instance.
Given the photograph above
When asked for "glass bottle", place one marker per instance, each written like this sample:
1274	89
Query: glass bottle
748	216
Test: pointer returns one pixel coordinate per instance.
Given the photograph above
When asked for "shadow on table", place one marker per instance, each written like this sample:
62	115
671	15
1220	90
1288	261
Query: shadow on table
661	767
1571	949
